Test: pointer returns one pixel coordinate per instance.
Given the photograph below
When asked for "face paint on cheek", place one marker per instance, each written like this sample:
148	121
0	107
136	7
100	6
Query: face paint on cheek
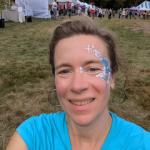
106	71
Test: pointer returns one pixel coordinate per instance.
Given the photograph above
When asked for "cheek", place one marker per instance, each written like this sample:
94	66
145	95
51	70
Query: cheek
60	87
101	86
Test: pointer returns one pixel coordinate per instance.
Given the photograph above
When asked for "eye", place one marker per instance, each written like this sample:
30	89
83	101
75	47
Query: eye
93	70
63	72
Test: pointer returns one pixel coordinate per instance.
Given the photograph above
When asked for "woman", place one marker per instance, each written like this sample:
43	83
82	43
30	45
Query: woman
84	64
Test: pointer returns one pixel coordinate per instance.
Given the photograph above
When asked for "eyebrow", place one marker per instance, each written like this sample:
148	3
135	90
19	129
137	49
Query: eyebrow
92	62
62	65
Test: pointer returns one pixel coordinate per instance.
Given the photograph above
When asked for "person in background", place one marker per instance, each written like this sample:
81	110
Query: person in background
69	10
84	63
109	13
92	10
54	10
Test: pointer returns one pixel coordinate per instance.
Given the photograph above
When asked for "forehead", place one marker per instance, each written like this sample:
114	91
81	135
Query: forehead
76	46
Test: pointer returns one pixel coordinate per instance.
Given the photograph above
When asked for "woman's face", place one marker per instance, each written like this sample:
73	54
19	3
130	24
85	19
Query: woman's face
82	78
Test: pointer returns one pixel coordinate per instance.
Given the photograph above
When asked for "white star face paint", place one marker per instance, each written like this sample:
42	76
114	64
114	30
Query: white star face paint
105	72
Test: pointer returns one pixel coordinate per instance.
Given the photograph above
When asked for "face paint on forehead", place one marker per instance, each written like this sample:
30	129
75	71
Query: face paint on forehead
92	50
105	74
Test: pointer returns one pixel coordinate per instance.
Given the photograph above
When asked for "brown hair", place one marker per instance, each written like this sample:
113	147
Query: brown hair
84	26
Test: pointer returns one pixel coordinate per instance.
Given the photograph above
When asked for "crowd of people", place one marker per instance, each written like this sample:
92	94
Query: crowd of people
128	13
58	9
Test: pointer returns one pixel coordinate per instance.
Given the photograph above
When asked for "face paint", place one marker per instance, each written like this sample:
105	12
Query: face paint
105	73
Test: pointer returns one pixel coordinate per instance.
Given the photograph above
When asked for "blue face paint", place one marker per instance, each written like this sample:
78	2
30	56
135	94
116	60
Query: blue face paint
105	74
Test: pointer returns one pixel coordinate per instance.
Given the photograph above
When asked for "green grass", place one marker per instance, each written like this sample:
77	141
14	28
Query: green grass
26	81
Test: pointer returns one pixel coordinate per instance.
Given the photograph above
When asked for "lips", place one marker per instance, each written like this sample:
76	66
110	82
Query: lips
81	102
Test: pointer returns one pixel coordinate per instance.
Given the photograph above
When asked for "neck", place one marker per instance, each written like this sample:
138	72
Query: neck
90	136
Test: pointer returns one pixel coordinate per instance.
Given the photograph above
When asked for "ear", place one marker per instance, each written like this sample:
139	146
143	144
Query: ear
112	82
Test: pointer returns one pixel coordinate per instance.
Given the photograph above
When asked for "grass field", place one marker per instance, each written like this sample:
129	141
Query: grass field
26	81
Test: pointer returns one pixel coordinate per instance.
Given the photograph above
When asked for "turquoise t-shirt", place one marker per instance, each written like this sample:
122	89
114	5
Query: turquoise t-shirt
50	132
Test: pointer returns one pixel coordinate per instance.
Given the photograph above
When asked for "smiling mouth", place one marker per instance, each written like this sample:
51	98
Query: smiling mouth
81	102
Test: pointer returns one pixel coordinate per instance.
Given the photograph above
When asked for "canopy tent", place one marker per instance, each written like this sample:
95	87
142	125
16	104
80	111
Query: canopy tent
71	1
35	8
134	8
63	1
74	2
83	4
144	6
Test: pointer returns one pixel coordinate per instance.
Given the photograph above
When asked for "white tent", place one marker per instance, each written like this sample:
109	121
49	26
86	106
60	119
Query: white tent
64	1
144	6
35	8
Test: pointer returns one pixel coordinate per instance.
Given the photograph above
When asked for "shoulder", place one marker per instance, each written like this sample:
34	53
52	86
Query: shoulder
51	116
43	120
42	128
125	124
130	133
16	143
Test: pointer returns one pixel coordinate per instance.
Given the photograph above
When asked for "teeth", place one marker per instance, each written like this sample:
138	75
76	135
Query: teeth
81	103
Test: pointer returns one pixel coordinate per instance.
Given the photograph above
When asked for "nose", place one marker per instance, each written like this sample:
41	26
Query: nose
79	83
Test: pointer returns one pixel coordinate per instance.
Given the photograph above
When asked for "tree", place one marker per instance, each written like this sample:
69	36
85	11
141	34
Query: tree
115	4
120	3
